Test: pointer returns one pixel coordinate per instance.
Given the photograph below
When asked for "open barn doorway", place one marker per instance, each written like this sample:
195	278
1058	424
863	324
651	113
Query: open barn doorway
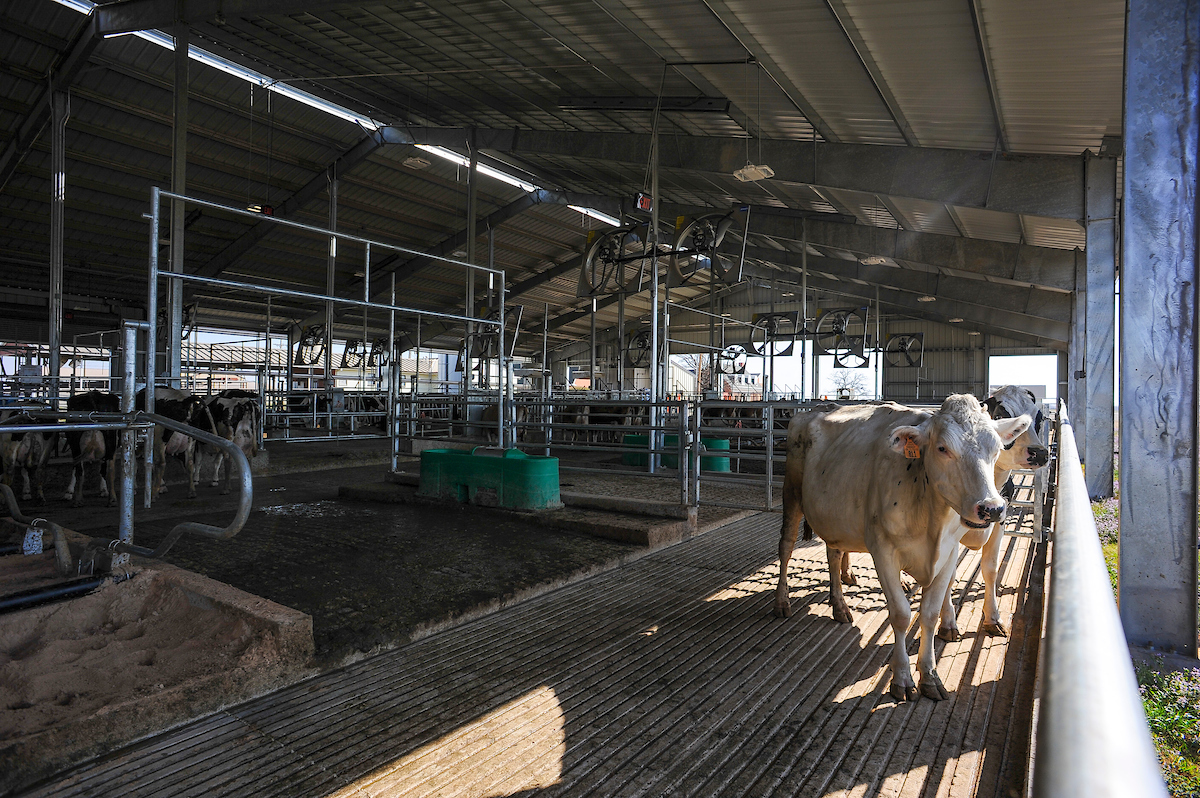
1038	373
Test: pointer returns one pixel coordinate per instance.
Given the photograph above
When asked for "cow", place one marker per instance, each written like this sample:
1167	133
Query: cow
904	485
491	415
92	446
236	417
187	408
26	452
1026	451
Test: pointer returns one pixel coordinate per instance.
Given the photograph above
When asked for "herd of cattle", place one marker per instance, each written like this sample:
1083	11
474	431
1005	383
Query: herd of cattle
231	414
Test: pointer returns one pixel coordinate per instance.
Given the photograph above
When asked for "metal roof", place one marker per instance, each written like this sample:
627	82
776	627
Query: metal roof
1007	79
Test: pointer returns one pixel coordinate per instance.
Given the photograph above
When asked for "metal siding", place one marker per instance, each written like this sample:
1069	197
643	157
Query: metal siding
1059	69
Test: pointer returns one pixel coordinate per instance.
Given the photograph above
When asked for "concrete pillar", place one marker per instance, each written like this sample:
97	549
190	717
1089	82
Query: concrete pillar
1100	181
173	340
1158	325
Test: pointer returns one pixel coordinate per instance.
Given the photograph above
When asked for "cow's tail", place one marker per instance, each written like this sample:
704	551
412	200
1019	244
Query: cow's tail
808	531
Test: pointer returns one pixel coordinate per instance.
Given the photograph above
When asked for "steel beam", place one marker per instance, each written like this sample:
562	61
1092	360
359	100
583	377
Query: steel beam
289	207
1040	185
1101	178
134	15
61	77
1158	326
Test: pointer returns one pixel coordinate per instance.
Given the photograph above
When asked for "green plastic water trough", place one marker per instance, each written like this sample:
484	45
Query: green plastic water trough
707	462
490	478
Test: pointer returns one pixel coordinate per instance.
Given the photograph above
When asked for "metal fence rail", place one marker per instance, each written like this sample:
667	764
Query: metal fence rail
1092	739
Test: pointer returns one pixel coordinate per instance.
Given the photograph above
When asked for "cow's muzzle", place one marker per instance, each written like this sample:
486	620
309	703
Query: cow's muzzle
1037	456
986	513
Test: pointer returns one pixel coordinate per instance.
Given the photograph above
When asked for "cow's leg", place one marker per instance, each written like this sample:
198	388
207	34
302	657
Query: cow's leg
792	516
837	559
991	564
160	463
931	607
112	479
27	493
899	615
69	493
848	577
218	461
189	461
948	628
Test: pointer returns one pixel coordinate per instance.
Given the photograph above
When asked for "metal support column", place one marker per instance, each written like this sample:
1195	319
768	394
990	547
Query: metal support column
620	342
126	467
804	306
59	111
1158	326
1100	184
1077	390
173	344
330	284
592	349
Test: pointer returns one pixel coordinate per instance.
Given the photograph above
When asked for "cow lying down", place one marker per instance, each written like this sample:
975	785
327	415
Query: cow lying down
904	485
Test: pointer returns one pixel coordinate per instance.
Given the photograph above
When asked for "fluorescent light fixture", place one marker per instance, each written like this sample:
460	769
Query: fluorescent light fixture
283	89
597	215
927	299
955	320
751	173
973	332
461	160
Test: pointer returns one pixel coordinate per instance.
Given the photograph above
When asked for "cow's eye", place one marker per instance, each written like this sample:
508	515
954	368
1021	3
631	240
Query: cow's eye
942	449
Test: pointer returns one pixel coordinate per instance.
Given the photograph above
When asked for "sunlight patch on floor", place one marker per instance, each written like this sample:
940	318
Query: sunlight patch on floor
516	747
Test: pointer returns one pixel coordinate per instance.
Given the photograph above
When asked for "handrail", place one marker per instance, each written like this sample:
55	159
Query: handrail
1092	737
245	498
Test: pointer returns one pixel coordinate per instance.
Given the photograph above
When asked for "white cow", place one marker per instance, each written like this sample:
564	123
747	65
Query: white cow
904	485
1027	451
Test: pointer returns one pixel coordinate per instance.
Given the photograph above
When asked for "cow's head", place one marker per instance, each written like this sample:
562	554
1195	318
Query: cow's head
242	415
1029	450
959	446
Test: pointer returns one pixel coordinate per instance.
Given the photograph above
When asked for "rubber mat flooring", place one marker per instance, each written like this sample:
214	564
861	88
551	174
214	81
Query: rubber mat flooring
667	676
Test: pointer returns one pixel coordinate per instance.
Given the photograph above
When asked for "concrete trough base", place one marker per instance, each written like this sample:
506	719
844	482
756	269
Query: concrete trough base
590	518
84	676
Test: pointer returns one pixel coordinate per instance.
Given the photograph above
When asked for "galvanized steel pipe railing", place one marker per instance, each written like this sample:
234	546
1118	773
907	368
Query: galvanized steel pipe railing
1092	737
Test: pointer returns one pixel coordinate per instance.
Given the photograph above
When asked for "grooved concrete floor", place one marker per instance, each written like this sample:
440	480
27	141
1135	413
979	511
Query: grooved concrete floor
666	676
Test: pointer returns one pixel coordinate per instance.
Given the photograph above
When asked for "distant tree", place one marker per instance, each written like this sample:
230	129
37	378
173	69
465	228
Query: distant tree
852	380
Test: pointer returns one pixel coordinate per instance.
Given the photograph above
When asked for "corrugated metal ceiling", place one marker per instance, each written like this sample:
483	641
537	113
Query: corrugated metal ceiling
859	71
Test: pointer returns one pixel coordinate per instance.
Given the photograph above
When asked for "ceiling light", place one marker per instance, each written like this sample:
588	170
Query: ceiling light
973	332
873	260
751	173
927	299
597	215
413	162
955	320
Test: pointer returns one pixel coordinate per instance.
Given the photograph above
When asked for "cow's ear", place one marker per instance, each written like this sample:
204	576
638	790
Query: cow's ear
901	440
1009	429
990	404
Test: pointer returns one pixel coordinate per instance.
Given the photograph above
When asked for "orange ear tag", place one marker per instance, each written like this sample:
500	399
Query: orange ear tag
911	450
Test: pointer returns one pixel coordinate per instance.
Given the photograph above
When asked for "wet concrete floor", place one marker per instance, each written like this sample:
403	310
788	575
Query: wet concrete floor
371	575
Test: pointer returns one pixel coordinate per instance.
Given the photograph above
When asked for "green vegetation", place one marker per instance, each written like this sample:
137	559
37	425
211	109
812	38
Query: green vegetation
1172	704
1171	700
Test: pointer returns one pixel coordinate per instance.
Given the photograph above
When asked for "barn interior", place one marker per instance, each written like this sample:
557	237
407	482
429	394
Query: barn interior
617	234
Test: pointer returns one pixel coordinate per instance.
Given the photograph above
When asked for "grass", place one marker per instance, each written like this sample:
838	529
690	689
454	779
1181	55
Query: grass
1171	700
1172	704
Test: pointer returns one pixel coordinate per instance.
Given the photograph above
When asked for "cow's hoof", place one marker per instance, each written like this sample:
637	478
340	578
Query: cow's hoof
783	609
76	504
842	615
902	692
225	492
214	484
191	494
993	629
949	633
931	687
850	579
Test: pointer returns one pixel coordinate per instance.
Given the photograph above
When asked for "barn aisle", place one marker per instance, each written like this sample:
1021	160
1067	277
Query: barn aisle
667	676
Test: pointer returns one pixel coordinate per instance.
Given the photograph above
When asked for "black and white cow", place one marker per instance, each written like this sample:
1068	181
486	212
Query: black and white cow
238	418
92	446
185	407
25	452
